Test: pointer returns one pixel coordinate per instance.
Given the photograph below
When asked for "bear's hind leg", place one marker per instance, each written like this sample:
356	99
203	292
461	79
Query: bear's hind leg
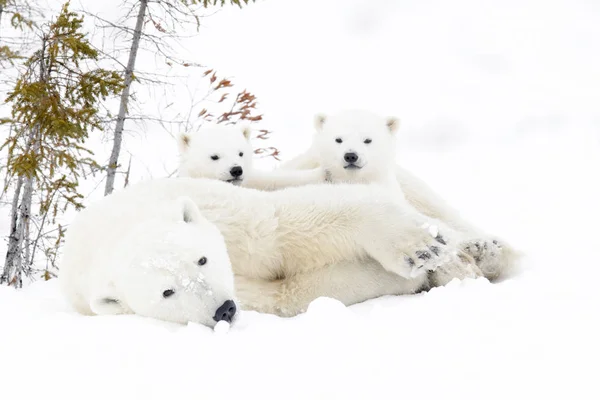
350	282
492	256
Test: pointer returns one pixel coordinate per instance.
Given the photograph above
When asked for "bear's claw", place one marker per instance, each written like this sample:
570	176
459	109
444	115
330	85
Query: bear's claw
481	249
440	239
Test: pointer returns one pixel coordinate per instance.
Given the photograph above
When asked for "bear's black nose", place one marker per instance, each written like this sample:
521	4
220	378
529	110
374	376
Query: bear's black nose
351	158
236	171
225	312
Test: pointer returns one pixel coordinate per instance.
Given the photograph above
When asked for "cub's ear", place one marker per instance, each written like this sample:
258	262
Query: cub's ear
106	302
392	124
183	142
246	131
320	121
188	210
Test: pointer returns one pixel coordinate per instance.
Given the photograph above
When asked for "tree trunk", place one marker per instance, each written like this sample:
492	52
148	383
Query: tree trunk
113	162
17	257
1	10
23	265
14	242
17	261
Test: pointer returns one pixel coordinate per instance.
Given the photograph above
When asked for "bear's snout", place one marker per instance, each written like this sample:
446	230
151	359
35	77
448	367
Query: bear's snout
351	157
236	171
225	312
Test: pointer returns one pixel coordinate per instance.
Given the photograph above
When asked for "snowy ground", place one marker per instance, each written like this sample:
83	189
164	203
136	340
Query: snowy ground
499	102
532	336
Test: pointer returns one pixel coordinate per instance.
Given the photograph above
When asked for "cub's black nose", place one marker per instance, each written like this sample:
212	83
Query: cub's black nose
351	158
225	312
236	171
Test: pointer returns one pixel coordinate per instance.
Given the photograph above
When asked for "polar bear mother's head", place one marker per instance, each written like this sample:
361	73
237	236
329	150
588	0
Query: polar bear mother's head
174	267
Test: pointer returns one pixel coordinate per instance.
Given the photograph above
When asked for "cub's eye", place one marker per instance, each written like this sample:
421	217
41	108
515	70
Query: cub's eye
367	141
202	261
214	157
168	293
339	140
241	154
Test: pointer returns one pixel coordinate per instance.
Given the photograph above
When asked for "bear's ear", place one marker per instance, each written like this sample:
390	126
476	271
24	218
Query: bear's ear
188	210
320	121
392	124
183	142
107	306
106	302
246	131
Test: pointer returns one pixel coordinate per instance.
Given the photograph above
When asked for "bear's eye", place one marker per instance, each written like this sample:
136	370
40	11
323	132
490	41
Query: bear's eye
367	141
202	261
241	154
339	140
214	157
168	293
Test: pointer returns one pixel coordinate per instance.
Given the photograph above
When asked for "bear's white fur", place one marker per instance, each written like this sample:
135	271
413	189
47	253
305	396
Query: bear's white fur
286	248
224	152
367	136
372	139
120	256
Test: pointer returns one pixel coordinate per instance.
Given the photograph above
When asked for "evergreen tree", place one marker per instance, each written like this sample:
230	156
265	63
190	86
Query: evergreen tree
54	107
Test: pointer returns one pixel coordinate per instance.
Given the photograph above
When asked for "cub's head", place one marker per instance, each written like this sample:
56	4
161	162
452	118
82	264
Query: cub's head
356	145
175	269
220	152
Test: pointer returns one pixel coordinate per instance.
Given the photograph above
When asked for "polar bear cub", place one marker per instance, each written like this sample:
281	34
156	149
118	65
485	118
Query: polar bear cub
224	152
157	258
356	146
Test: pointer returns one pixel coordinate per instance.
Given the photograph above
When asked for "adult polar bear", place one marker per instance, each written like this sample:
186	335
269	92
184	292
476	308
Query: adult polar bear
166	249
356	146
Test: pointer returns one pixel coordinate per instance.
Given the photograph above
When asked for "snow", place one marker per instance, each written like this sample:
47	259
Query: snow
222	327
433	230
534	335
499	102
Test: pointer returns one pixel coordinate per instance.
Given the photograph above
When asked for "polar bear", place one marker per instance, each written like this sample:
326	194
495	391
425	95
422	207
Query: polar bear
166	262
357	146
224	152
166	248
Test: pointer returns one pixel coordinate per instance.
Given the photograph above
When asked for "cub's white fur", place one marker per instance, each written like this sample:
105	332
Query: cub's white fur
371	139
286	248
224	152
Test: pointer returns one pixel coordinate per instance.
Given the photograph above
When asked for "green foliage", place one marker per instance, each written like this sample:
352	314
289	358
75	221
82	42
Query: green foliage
6	54
17	19
55	104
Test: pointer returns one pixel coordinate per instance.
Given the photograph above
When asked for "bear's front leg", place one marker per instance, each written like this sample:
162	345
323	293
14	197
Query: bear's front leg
282	178
325	224
405	242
